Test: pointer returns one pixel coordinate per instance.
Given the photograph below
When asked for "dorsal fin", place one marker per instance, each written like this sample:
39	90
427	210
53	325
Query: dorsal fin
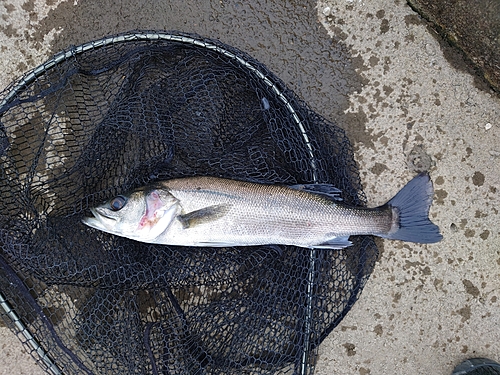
325	190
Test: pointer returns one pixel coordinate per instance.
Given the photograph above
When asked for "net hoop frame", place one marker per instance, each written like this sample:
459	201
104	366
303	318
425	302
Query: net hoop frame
173	36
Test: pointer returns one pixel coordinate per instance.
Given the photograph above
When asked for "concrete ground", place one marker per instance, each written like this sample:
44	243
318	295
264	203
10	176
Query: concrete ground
376	69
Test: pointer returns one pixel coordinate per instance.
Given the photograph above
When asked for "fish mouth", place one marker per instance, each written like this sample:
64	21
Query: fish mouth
100	220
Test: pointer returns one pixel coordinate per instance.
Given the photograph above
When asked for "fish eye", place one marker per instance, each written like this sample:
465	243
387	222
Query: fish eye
117	203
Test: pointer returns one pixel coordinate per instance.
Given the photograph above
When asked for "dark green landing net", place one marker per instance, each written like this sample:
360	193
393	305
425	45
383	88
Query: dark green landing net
116	114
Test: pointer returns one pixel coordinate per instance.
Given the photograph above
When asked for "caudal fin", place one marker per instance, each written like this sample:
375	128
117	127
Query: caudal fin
412	205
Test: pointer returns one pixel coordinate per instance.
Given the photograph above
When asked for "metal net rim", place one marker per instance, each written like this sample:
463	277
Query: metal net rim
172	36
189	39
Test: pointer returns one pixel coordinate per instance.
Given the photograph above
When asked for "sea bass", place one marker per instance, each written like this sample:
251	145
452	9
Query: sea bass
210	211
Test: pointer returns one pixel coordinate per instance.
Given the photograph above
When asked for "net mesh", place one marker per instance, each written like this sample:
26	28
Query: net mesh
116	114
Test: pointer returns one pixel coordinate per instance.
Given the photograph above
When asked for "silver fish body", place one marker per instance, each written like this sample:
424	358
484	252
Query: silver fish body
210	211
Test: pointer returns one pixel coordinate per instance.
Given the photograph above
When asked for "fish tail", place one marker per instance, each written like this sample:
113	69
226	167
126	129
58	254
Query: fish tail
411	212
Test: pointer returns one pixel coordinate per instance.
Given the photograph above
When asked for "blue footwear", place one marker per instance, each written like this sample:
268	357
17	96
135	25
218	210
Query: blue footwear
477	366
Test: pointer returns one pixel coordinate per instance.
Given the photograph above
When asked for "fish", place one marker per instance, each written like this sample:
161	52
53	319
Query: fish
210	211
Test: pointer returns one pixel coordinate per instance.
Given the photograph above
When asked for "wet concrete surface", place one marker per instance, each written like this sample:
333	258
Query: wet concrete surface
375	69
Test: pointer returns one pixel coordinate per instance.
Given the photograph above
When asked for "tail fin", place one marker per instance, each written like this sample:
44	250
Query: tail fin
411	205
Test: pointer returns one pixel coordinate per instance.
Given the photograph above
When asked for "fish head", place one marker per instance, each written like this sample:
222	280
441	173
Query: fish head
141	215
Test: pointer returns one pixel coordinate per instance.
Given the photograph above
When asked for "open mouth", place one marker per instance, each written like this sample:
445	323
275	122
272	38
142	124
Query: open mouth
100	220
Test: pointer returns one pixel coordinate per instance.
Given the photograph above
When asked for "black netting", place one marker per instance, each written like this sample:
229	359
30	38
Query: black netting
118	113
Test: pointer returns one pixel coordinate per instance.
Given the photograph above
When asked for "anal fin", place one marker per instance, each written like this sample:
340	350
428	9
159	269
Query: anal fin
335	243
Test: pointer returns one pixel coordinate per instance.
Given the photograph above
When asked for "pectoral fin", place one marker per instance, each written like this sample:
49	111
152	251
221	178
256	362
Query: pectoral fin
204	215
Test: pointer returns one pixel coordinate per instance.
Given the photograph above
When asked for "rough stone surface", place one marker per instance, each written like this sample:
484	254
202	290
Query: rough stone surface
473	27
377	70
425	308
